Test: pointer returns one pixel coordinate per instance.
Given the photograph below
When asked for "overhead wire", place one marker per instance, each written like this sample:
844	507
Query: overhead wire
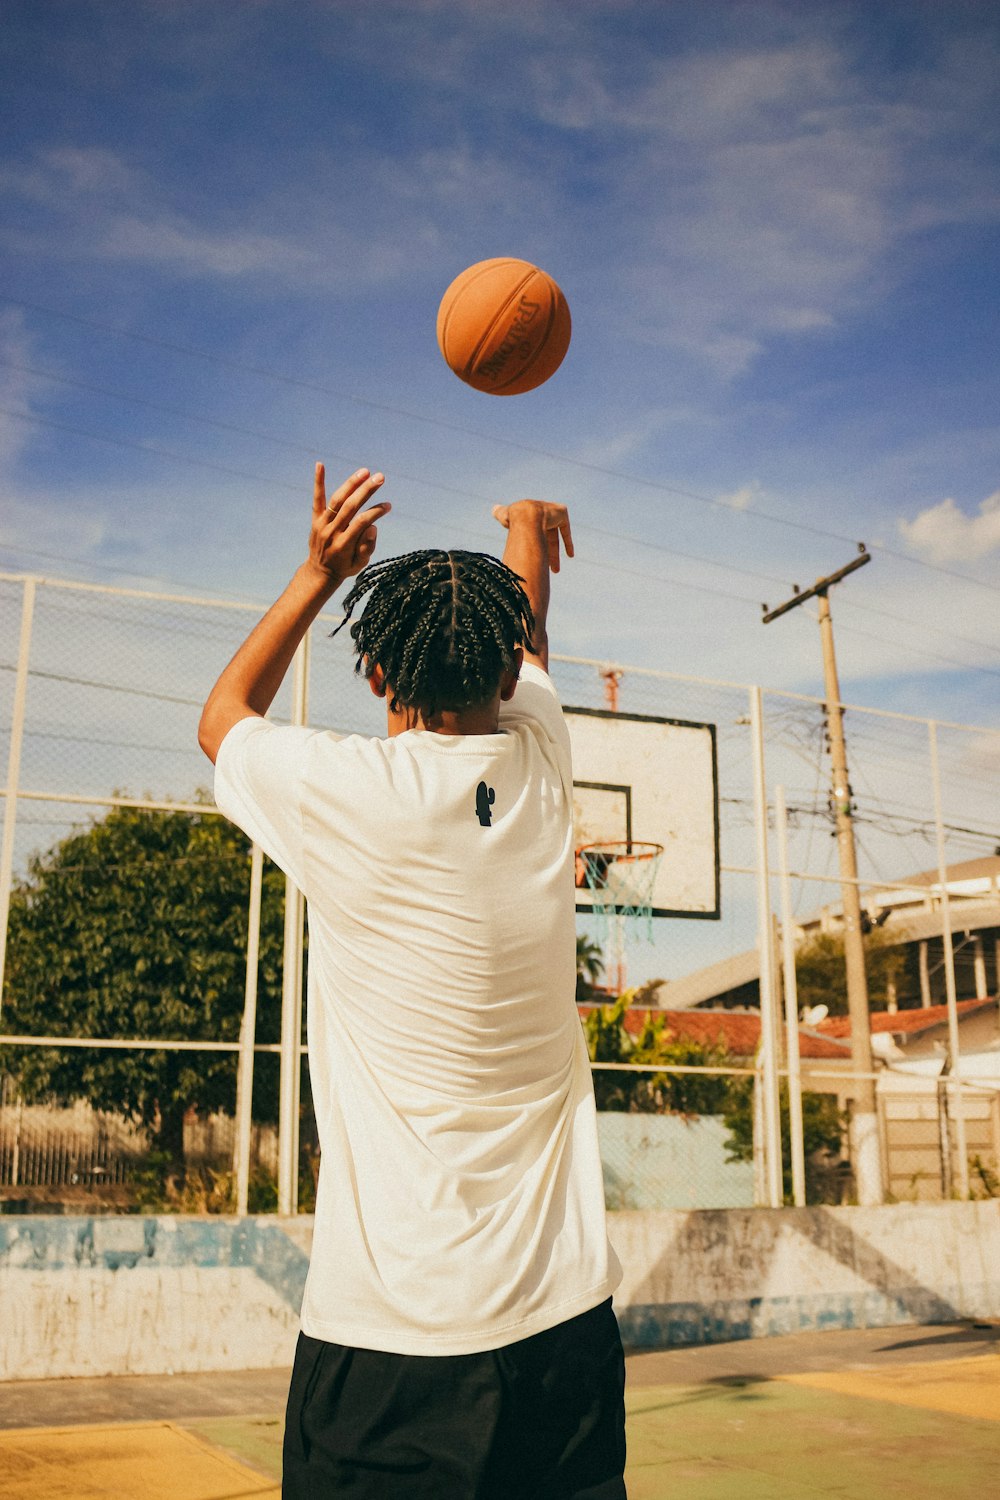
116	568
885	614
288	445
262	372
951	661
158	452
311	449
108	687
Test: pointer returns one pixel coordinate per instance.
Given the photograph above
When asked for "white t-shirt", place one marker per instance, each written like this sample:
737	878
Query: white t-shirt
460	1204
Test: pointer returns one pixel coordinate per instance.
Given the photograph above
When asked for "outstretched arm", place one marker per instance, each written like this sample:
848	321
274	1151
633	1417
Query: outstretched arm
341	542
534	528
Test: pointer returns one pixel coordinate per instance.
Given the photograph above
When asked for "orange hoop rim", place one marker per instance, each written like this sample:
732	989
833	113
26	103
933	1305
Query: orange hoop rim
635	850
588	857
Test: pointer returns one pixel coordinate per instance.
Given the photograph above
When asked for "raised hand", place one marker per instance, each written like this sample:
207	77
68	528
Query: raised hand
343	534
548	516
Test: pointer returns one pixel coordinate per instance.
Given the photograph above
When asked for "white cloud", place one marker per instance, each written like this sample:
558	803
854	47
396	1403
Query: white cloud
744	497
88	169
752	190
112	211
60	174
108	210
749	189
17	386
626	442
766	218
186	247
944	533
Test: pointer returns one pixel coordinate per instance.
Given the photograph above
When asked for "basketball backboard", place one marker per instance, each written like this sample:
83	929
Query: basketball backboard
655	780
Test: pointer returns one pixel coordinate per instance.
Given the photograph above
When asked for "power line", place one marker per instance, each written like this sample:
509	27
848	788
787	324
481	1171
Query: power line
673	583
918	650
261	372
297	489
135	446
157	452
109	687
82	562
911	624
311	450
952	635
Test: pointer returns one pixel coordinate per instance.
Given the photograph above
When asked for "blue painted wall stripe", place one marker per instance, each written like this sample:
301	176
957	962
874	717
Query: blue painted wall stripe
682	1324
34	1243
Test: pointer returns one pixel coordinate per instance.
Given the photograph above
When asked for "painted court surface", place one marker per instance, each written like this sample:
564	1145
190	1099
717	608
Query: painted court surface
909	1412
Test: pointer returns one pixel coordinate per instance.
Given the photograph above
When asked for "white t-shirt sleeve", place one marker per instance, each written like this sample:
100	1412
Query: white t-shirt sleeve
536	704
258	777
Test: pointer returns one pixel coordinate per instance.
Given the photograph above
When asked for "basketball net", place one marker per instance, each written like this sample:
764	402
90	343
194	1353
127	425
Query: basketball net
620	877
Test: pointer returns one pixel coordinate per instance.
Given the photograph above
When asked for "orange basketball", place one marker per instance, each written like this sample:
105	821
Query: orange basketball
503	326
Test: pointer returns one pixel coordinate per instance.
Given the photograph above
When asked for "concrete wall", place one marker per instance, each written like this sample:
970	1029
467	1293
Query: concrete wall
143	1296
133	1295
704	1277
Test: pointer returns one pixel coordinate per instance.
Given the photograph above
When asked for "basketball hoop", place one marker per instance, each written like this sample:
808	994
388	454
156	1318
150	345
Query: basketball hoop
620	877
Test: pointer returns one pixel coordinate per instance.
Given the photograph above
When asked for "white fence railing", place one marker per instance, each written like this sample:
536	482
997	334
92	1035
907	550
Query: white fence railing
100	691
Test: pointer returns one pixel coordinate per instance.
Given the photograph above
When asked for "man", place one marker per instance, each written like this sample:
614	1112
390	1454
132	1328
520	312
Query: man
458	1340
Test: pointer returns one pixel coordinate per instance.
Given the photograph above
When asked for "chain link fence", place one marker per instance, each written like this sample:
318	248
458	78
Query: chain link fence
107	794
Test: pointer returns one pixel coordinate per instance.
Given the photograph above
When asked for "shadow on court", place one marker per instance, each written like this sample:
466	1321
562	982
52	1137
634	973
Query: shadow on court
911	1413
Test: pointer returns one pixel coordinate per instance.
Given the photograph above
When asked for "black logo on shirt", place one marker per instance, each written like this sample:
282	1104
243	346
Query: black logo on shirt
485	797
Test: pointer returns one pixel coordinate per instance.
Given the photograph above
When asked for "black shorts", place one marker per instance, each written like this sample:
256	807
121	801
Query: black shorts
541	1419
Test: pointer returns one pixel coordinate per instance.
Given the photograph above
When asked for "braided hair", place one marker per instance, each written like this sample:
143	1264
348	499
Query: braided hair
442	626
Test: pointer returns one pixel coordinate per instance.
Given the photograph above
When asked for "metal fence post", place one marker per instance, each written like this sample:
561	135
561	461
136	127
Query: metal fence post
244	1066
796	1132
760	1183
765	947
14	768
954	1084
290	1083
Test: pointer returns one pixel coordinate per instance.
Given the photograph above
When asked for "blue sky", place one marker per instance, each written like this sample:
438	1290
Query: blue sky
227	227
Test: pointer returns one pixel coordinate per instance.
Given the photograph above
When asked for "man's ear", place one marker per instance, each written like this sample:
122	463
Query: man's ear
377	681
508	682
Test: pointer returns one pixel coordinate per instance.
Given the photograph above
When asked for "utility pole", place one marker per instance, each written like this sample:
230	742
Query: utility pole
864	1122
616	969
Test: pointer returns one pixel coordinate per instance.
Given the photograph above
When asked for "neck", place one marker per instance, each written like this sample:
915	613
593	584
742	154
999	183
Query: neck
483	718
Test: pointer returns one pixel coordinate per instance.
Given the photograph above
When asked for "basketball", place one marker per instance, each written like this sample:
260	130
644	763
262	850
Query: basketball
503	326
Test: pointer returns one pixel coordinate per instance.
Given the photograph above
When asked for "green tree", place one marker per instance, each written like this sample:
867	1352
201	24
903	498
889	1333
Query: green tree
136	928
821	976
589	968
652	1093
823	1127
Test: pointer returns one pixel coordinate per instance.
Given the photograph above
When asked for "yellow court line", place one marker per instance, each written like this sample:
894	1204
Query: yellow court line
122	1461
964	1387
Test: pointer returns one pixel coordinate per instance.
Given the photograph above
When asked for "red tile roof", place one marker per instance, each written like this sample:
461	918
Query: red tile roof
899	1021
739	1031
